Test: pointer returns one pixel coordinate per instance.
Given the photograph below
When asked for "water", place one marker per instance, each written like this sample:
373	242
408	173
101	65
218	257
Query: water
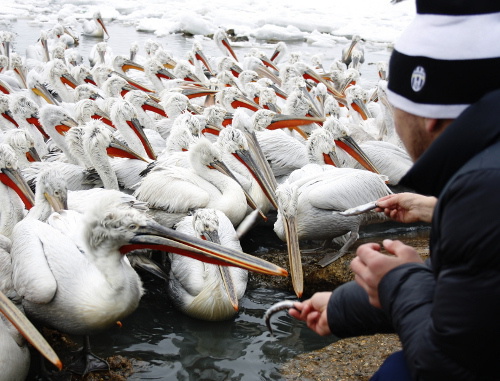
123	35
169	345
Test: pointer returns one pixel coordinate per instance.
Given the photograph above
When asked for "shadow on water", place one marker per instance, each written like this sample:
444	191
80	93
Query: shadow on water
169	345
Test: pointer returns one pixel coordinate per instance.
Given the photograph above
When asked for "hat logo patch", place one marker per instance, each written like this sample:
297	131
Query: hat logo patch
418	79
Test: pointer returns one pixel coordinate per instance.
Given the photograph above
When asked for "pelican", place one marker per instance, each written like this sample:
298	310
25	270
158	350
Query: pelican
15	329
354	46
308	210
23	145
25	113
72	275
220	38
15	194
202	290
94	28
115	163
172	191
125	118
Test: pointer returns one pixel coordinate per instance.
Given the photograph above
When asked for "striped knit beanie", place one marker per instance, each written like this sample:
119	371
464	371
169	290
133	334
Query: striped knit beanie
447	58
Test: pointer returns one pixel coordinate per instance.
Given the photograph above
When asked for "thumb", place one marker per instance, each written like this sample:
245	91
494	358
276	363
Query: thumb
398	248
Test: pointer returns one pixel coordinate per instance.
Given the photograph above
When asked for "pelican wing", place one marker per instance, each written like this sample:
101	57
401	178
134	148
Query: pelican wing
346	191
160	189
32	276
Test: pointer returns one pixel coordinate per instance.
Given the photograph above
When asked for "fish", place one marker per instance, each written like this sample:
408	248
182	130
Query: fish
277	307
359	209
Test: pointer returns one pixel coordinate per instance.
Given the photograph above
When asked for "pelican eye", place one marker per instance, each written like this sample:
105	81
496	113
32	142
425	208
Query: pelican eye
133	227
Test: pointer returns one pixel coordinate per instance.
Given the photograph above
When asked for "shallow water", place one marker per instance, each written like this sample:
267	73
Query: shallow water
170	345
122	36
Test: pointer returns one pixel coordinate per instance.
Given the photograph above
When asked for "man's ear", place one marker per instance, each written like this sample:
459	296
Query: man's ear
436	126
431	125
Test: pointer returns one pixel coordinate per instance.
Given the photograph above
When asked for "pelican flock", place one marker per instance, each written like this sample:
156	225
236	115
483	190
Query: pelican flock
107	158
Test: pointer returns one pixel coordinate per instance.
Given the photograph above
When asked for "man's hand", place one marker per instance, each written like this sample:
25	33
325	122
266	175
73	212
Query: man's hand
407	207
313	312
370	265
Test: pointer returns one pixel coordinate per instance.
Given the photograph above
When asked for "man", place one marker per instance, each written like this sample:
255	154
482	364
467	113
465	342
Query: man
445	87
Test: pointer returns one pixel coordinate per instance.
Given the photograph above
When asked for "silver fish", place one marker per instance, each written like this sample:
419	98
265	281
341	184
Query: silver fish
280	306
359	209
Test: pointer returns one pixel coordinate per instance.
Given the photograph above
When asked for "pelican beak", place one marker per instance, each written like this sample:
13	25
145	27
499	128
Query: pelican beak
230	50
293	122
154	106
57	203
28	330
280	93
199	55
247	160
331	158
8	115
69	80
21	75
164	73
99	20
4	88
196	92
41	91
221	167
269	63
312	75
90	79
136	126
361	108
211	129
32	155
128	65
155	236
15	180
294	256
264	72
241	101
352	148
132	85
35	121
117	149
263	164
103	117
65	125
213	236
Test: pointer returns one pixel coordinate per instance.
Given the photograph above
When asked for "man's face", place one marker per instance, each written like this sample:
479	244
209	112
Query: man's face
411	129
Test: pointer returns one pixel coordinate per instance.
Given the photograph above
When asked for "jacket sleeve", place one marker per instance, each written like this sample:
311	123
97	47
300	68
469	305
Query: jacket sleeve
350	314
447	319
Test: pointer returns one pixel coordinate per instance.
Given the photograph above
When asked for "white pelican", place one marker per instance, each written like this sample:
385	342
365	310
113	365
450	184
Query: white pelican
125	118
56	121
15	194
308	210
23	145
220	38
348	55
25	112
73	276
202	290
57	74
172	192
117	165
14	351
238	158
94	28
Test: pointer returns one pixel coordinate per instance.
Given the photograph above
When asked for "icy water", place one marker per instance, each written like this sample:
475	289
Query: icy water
165	344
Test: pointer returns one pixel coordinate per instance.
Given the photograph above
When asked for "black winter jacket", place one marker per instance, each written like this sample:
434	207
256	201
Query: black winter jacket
446	312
